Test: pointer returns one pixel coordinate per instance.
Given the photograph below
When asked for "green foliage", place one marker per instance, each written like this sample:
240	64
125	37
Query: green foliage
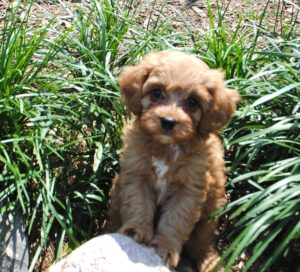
61	120
224	47
54	129
264	158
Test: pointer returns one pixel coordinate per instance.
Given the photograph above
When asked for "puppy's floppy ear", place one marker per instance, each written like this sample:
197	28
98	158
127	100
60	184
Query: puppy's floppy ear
222	105
131	83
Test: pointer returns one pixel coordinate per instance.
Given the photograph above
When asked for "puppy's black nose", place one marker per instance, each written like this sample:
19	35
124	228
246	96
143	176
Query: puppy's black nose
168	123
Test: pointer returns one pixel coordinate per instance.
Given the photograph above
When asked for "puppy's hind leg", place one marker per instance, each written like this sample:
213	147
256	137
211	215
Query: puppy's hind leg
200	248
114	221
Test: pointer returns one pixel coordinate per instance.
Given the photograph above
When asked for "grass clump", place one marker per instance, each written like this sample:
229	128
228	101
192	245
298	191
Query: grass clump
264	163
54	130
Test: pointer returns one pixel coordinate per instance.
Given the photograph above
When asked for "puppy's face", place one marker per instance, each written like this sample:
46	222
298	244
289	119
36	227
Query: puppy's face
176	96
171	109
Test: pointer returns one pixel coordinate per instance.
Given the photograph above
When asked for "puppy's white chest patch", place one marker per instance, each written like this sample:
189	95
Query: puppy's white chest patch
161	168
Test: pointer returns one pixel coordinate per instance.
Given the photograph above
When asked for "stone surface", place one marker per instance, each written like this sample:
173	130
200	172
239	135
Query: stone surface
13	244
111	253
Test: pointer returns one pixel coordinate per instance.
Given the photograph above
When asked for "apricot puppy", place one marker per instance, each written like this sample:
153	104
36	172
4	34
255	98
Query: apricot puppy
172	168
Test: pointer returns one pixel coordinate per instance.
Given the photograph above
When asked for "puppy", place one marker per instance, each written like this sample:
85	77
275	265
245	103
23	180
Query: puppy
172	168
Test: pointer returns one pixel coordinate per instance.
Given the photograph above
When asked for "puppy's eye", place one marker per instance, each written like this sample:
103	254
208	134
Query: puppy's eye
192	102
157	93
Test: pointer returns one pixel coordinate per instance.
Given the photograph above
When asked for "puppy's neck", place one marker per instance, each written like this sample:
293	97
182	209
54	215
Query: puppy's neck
172	152
169	153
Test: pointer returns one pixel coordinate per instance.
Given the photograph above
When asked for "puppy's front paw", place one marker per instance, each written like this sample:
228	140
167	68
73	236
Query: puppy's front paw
167	251
138	233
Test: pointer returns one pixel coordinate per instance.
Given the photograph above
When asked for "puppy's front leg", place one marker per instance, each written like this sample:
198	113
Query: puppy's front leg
177	220
137	208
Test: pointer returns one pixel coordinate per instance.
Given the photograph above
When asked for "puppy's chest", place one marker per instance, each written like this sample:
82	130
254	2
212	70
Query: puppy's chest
161	169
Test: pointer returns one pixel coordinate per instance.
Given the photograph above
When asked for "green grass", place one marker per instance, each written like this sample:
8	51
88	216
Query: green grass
264	163
61	119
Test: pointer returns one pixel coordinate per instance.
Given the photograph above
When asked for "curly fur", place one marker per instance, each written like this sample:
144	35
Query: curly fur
172	178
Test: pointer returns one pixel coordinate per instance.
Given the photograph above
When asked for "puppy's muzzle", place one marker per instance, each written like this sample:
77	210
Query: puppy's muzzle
167	123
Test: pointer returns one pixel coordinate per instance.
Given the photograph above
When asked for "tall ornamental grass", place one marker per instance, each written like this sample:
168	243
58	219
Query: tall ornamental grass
60	131
263	145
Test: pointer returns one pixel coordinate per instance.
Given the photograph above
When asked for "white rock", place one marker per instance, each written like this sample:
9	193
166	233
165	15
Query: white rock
14	255
111	253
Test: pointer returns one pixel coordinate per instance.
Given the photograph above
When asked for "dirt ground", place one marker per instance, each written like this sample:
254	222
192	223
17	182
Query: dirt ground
195	11
179	12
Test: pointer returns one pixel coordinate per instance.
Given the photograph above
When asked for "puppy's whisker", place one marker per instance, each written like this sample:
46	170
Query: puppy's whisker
176	151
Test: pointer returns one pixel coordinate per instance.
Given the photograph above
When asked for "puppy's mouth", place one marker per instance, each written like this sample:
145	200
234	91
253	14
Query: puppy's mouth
167	129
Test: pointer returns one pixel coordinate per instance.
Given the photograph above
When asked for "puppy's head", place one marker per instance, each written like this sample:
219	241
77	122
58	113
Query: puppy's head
176	96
